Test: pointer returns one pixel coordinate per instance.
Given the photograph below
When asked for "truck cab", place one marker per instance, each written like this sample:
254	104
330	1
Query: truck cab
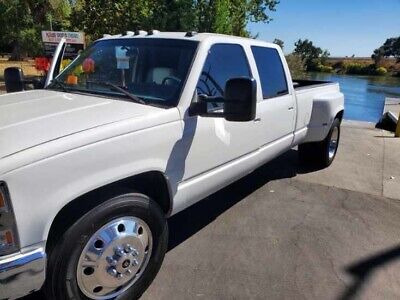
137	128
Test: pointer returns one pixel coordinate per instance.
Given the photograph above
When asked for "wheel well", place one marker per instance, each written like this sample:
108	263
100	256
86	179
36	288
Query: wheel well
339	115
144	183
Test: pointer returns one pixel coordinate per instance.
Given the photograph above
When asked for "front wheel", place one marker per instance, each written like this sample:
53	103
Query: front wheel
114	250
322	153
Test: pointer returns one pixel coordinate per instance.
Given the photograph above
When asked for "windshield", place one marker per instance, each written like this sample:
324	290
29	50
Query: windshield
152	70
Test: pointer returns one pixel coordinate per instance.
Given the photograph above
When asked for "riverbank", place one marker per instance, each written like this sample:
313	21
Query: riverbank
361	66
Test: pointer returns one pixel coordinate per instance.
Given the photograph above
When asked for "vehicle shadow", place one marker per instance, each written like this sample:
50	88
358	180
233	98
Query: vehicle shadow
362	270
186	223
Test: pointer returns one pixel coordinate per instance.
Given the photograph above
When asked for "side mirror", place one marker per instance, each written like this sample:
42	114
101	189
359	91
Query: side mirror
14	79
237	105
240	99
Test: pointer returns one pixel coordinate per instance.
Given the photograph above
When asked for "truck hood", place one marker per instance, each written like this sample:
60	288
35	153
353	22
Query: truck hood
30	118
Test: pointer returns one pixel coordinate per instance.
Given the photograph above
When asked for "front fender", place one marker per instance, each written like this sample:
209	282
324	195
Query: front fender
40	190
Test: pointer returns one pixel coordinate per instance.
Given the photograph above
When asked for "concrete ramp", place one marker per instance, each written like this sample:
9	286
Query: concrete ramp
367	161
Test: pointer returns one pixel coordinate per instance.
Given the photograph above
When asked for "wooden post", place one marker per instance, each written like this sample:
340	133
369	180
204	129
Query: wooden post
397	133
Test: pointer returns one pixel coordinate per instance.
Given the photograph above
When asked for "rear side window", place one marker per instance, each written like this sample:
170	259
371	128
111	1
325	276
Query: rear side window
224	61
270	69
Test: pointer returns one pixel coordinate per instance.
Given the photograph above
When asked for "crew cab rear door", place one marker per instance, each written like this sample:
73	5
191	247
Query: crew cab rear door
56	62
277	104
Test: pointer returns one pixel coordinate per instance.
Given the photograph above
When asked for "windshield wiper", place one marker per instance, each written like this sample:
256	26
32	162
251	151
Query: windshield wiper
56	81
119	89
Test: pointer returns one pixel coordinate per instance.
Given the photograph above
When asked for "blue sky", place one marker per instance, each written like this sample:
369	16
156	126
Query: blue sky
344	27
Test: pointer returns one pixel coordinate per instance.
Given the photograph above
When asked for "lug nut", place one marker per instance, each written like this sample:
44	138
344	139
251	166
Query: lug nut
128	272
119	252
134	263
135	252
112	271
119	276
111	261
128	248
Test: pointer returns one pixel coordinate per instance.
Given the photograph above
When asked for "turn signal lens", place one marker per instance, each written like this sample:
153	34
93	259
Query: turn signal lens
8	227
6	239
3	206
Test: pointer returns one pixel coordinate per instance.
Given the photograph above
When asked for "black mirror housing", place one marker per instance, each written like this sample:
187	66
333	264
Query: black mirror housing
240	99
238	104
14	79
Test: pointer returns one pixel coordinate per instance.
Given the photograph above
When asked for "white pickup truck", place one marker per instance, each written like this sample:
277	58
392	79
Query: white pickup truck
137	128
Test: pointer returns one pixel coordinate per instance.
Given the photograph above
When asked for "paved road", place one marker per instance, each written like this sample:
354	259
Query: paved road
290	232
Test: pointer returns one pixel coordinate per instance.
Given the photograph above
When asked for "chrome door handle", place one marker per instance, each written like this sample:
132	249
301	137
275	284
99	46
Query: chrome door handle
290	108
257	120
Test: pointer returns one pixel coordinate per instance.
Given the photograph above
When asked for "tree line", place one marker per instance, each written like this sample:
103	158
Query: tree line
21	21
308	57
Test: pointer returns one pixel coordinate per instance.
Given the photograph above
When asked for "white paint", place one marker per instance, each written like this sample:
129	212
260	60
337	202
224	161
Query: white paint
57	146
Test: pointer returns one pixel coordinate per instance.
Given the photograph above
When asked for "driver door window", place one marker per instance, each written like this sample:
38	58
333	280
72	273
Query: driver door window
224	61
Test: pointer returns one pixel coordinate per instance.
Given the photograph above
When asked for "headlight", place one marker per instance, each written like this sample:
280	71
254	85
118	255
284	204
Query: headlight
8	230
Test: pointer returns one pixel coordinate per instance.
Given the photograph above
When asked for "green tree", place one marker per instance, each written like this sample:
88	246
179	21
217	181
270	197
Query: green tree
324	57
391	48
97	17
312	55
21	23
296	66
279	42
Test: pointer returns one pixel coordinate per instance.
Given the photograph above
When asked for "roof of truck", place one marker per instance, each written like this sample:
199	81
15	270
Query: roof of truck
194	36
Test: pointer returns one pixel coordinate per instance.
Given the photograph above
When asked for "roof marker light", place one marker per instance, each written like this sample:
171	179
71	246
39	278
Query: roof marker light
153	31
190	33
140	32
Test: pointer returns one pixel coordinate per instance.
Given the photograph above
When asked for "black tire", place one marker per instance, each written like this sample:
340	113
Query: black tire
61	282
318	152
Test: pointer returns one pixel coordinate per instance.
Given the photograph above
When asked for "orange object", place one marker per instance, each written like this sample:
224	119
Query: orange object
72	79
9	237
88	65
2	201
42	63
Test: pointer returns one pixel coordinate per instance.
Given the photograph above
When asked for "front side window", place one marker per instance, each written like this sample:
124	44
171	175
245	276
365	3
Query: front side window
224	61
271	72
153	70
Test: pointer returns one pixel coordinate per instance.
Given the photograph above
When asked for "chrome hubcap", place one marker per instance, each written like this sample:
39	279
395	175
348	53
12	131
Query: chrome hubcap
333	143
114	258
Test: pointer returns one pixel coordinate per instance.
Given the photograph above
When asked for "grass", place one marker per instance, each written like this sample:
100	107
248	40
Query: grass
27	66
390	64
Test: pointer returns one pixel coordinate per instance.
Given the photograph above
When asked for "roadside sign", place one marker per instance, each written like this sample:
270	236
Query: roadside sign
56	36
75	42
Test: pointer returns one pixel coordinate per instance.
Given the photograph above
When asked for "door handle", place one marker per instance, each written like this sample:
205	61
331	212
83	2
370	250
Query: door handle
257	120
290	108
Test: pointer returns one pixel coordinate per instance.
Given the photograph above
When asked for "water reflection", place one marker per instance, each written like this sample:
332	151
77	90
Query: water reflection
364	95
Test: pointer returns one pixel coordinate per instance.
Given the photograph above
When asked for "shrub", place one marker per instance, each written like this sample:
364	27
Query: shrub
296	66
324	69
381	71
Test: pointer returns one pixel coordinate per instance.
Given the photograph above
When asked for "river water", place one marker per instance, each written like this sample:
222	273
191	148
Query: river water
364	95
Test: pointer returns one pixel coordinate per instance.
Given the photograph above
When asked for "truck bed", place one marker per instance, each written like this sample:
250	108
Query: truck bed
303	84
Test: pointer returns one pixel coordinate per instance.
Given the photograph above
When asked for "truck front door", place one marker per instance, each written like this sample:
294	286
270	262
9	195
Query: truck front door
212	142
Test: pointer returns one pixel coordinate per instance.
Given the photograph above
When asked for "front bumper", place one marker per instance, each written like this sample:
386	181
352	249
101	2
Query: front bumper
22	273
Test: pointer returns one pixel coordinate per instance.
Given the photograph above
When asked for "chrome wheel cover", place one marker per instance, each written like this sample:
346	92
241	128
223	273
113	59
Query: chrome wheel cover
114	258
333	142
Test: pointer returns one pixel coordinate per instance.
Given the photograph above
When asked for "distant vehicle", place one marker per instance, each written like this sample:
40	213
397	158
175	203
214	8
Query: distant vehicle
136	129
